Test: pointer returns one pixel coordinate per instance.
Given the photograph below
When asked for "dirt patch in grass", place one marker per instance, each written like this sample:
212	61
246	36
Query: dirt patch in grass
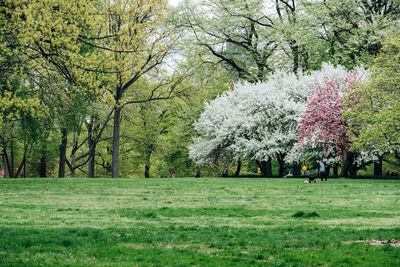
393	242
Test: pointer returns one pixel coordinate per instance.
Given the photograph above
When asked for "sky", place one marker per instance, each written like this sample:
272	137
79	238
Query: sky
174	2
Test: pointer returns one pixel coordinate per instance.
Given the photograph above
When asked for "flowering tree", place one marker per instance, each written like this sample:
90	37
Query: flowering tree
322	122
253	121
257	121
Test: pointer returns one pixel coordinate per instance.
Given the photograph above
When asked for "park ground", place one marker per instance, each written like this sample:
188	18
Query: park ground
204	221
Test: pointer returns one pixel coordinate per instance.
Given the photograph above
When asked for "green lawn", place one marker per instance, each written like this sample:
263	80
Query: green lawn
206	222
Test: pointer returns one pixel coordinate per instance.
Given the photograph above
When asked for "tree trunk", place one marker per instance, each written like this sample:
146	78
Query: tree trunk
347	164
327	170
335	170
25	151
11	170
296	169
150	149
91	165
239	166
265	167
23	163
43	162
281	163
92	151
63	151
146	171
353	170
378	167
6	162
296	56
115	152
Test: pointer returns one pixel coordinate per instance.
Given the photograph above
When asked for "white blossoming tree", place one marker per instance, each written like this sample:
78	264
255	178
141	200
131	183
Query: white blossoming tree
256	121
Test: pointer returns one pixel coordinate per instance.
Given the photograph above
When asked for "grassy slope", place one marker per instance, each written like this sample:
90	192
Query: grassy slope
203	221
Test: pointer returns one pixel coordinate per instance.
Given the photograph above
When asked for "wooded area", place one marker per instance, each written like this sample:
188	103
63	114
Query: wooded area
133	88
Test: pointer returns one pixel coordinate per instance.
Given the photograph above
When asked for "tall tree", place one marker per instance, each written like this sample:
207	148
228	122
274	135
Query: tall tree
322	122
250	122
236	33
351	32
132	42
374	107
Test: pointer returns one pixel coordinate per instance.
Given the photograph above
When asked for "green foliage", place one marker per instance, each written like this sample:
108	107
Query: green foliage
213	222
375	106
57	58
350	33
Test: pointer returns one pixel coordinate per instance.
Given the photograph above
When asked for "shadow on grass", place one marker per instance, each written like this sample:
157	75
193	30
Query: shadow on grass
302	214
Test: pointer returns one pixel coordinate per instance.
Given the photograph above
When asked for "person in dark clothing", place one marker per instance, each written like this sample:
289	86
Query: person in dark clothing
311	178
322	170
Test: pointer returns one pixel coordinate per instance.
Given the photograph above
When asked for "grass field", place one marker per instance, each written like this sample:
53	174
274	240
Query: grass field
206	222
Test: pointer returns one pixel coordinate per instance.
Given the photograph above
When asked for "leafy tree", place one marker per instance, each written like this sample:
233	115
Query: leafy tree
373	108
132	43
184	111
46	37
351	32
43	39
251	122
257	122
322	122
19	103
237	34
143	131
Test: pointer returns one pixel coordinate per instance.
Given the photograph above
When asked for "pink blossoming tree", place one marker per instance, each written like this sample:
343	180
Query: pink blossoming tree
322	122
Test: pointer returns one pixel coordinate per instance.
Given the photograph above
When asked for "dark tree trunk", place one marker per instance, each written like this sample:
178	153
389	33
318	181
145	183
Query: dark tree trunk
296	169
11	169
92	150
347	164
150	149
239	166
378	167
23	163
353	170
63	151
327	169
115	152
25	168
6	162
146	171
265	167
281	163
336	170
43	163
296	56
24	159
91	160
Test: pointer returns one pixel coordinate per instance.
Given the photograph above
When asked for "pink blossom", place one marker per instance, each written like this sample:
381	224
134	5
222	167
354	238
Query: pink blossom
322	122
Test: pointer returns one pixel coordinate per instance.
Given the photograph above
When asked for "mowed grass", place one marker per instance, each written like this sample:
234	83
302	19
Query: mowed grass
206	222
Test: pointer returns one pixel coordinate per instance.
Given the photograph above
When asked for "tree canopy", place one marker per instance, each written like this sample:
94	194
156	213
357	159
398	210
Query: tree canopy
139	88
